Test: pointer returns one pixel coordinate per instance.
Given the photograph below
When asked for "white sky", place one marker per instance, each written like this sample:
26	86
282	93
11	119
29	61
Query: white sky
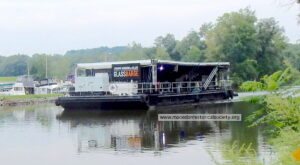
55	26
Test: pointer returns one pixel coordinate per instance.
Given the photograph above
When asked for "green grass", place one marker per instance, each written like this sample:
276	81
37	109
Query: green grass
8	79
235	154
30	96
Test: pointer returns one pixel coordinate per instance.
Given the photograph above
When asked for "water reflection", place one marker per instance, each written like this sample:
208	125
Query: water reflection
92	134
140	130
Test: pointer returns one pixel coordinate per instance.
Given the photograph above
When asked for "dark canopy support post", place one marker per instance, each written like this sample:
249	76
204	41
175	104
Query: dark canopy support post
154	73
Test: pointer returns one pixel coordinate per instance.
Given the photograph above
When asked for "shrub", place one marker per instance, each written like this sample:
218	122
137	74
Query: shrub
251	86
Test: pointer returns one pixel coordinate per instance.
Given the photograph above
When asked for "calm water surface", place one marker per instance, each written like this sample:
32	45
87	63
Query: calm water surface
46	134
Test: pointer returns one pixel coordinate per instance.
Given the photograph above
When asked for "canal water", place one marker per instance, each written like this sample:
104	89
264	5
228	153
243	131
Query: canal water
46	134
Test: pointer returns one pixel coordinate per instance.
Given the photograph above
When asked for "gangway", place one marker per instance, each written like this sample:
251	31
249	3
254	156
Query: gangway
210	77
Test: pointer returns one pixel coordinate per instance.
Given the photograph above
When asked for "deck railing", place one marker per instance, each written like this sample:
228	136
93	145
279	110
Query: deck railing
181	87
169	87
162	87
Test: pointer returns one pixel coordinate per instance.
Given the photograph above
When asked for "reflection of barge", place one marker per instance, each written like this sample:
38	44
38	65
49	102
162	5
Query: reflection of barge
147	83
141	131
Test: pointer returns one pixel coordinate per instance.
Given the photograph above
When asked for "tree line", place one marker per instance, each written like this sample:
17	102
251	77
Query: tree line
253	46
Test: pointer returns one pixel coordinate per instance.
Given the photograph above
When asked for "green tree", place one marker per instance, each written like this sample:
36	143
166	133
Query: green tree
246	70
15	65
233	39
37	65
162	54
204	29
134	52
169	43
58	67
192	39
193	46
292	55
270	46
194	54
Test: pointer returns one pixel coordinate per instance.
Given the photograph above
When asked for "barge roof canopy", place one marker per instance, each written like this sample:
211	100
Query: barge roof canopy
108	65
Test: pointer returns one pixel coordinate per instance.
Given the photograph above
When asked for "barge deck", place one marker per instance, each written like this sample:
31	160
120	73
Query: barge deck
140	101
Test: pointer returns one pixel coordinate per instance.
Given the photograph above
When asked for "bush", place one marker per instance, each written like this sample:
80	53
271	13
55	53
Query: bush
251	86
270	82
283	114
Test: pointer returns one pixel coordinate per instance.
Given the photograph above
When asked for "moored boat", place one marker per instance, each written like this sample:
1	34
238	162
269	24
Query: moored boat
146	83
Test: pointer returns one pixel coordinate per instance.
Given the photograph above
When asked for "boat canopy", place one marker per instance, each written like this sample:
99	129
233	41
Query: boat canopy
108	65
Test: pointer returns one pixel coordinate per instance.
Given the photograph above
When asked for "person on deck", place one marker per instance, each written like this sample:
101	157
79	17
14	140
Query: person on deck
197	88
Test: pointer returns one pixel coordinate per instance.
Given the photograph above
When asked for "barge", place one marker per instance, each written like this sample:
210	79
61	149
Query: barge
146	83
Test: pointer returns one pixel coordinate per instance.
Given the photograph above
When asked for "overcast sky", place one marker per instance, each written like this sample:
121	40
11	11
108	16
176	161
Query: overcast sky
55	26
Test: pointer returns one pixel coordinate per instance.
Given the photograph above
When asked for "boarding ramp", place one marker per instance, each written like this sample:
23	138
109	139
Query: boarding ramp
210	77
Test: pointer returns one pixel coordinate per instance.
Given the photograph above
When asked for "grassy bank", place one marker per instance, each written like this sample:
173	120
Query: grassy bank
29	96
8	79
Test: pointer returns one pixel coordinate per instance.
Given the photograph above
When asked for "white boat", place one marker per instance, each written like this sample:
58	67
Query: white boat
17	89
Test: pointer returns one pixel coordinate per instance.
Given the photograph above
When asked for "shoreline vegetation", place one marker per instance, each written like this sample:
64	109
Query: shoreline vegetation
27	99
280	117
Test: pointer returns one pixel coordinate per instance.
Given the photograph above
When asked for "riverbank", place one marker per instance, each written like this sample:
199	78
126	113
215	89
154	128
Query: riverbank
27	99
281	116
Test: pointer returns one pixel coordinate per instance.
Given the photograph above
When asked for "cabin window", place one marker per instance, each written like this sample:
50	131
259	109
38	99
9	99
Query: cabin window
85	72
88	72
18	89
81	73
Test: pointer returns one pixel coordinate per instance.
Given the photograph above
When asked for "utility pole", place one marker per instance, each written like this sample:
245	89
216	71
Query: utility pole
46	67
106	57
27	68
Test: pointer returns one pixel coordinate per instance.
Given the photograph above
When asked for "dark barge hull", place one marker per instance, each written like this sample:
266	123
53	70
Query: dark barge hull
140	101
